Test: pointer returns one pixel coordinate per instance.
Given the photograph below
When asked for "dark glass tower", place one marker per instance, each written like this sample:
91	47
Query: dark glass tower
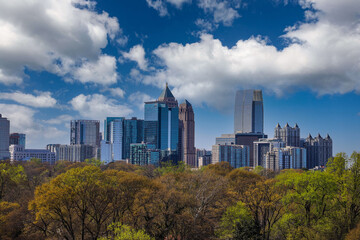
161	124
249	112
187	134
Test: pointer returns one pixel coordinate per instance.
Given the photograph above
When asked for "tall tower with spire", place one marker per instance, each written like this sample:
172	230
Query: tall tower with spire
161	122
187	134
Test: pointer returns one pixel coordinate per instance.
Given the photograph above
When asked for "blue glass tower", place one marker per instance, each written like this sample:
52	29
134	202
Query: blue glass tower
161	124
133	133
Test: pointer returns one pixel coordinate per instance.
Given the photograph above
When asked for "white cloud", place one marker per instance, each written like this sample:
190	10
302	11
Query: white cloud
116	92
322	56
161	5
178	3
22	120
103	71
99	107
41	100
137	54
221	10
138	99
64	35
62	119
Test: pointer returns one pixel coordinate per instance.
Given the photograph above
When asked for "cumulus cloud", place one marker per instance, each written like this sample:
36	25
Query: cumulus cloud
138	99
22	120
64	35
221	10
137	54
116	92
102	71
322	55
158	5
41	100
98	107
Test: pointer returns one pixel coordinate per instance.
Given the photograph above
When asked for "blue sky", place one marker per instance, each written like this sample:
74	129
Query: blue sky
78	59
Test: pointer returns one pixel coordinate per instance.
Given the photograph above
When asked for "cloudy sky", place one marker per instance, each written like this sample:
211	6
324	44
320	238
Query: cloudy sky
78	59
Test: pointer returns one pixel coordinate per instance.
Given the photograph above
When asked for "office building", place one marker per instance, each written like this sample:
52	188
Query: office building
19	153
140	154
225	139
106	152
73	153
204	160
285	158
249	112
161	124
133	133
248	139
17	139
4	138
236	155
289	135
318	149
187	134
85	132
262	147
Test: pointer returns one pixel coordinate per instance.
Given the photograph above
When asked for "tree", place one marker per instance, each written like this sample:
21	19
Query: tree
10	174
120	231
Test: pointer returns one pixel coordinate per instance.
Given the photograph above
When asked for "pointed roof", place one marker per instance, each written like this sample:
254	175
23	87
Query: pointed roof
328	136
296	126
310	136
287	125
319	136
186	102
278	126
166	94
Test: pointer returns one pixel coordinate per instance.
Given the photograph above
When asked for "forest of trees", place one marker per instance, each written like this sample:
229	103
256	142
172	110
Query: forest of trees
121	201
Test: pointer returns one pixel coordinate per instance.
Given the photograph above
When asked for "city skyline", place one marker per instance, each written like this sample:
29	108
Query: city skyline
206	50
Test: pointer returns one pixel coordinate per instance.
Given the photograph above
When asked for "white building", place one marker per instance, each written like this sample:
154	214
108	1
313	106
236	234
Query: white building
4	138
19	153
106	152
116	138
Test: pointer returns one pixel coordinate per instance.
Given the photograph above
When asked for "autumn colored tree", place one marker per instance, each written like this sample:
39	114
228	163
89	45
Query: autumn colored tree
9	174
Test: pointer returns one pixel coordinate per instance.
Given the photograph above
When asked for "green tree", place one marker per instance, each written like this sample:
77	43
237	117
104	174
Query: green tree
10	174
120	231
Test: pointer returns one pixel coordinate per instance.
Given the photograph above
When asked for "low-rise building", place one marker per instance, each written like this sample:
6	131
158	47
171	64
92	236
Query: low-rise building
19	153
237	155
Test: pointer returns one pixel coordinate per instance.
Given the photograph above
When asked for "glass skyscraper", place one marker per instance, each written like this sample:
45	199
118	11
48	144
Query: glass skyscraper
161	124
85	132
133	133
249	112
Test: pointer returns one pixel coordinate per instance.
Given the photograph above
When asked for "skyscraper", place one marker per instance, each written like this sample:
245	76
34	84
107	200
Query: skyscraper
85	132
187	133
290	136
249	112
236	155
162	123
4	138
133	133
318	150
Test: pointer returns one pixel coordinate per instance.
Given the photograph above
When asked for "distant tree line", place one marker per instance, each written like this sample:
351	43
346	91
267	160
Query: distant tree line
122	201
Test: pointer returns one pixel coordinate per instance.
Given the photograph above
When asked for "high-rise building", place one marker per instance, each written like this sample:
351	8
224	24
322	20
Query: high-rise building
161	124
17	139
187	134
133	133
236	155
19	153
140	154
285	158
289	135
72	153
262	147
249	112
225	139
4	138
318	149
248	139
85	132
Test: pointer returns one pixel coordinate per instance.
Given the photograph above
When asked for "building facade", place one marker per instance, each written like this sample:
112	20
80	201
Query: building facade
73	153
225	139
249	112
204	160
290	136
236	155
19	153
285	158
161	123
262	147
187	150
141	154
248	139
133	133
4	138
319	150
85	132
17	139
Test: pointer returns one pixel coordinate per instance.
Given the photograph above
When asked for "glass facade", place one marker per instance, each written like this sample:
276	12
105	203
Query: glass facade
133	133
249	112
85	132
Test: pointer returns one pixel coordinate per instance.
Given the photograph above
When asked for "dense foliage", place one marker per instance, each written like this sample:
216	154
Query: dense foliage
121	201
